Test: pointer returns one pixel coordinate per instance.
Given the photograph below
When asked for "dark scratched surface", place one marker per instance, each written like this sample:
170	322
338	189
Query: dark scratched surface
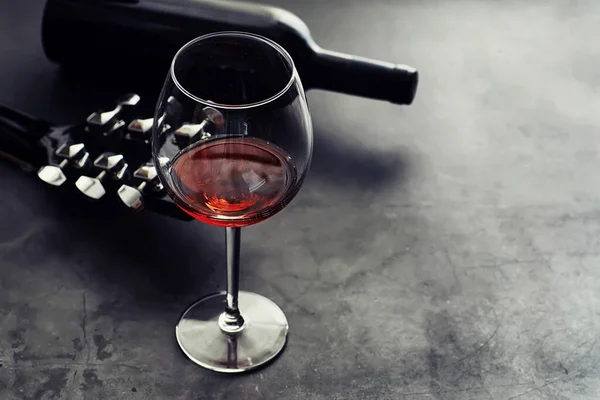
448	250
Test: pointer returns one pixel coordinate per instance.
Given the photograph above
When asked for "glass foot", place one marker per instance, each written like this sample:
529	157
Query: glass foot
263	337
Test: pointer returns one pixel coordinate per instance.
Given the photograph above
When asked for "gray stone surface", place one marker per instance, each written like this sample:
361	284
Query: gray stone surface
447	250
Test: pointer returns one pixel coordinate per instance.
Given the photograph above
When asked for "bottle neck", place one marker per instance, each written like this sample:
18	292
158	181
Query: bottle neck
330	70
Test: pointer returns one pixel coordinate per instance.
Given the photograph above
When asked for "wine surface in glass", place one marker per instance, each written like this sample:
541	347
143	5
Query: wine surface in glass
233	181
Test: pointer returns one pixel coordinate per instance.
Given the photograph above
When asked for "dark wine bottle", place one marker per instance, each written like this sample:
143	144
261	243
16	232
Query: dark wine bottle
143	35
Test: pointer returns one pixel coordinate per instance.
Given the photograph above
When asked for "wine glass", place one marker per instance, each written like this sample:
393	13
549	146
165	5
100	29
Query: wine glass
232	143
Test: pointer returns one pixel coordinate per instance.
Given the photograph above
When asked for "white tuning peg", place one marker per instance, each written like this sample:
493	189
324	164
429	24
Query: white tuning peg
69	153
111	120
132	197
112	165
52	175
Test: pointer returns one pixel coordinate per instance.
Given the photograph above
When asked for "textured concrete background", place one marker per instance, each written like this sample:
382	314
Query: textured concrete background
447	250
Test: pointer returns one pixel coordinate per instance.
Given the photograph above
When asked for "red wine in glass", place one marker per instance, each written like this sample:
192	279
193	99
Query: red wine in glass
233	181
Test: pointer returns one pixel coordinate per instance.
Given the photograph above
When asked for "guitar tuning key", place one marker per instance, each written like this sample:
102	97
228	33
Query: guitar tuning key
133	197
74	154
110	121
140	129
111	165
128	100
91	187
52	174
214	116
187	134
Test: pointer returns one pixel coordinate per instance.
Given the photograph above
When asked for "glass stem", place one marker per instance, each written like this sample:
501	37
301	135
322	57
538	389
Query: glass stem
231	321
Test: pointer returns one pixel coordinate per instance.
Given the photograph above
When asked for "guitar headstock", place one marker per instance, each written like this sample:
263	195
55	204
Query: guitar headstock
106	158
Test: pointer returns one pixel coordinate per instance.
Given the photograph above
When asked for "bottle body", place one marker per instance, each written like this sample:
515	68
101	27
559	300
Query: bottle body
139	38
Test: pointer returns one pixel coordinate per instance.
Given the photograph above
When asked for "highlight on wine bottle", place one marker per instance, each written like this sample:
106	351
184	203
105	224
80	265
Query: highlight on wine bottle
233	137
